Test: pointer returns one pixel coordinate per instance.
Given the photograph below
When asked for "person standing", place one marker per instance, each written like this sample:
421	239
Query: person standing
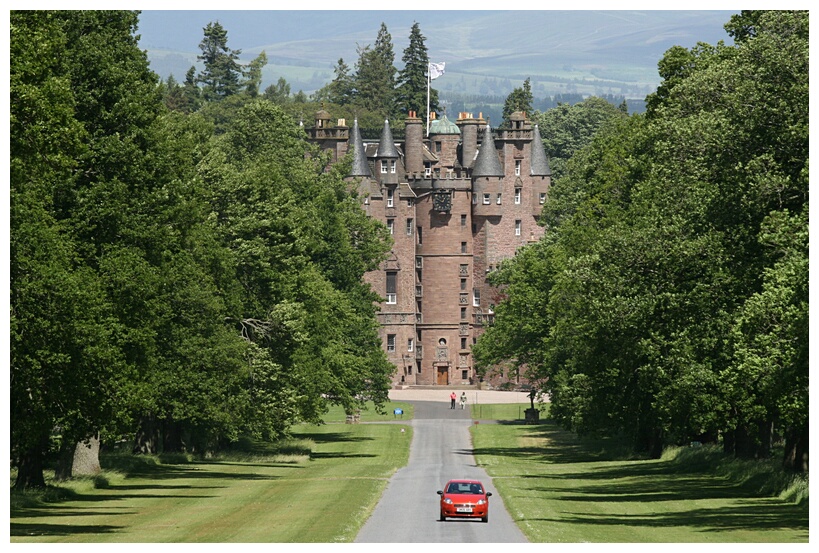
452	398
463	400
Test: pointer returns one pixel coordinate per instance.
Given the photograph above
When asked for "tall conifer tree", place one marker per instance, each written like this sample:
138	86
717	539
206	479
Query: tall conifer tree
412	80
221	75
375	75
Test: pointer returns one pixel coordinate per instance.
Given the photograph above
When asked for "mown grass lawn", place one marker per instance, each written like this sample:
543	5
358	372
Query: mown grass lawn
559	488
321	490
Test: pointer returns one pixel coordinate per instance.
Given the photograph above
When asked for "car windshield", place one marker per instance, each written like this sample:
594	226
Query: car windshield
464	488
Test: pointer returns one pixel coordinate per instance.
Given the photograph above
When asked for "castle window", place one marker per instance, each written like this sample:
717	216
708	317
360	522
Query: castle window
517	167
463	219
486	199
383	166
419	236
392	296
392	166
498	199
427	171
517	196
390	197
517	227
463	343
409	226
542	198
391	225
476	297
410	344
463	313
438	146
464	374
390	342
463	284
463	247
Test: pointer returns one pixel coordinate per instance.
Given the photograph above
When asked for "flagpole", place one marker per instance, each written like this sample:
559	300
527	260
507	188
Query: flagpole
428	75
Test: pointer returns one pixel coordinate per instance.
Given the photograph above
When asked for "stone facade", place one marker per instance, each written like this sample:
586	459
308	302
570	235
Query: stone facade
458	202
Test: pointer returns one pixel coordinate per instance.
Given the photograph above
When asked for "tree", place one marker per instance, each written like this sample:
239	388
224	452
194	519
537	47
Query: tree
375	76
341	90
567	128
254	75
301	245
77	114
278	93
221	76
520	99
411	93
653	312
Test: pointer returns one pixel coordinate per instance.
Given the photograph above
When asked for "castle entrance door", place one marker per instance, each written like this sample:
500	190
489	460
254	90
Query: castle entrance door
443	375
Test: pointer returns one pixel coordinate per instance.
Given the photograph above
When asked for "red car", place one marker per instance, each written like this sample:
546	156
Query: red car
464	499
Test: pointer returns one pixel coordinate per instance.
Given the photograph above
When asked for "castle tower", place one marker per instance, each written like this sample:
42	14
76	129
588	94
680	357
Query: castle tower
541	174
487	179
414	145
386	157
330	138
469	139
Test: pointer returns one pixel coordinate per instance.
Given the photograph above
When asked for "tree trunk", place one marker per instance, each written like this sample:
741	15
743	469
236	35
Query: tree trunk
30	468
65	460
147	437
172	437
796	450
87	457
753	441
78	458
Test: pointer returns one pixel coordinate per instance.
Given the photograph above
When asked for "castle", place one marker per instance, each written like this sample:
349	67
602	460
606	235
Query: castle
457	203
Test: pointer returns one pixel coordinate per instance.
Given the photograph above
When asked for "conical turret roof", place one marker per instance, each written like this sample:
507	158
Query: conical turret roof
386	145
360	166
540	163
488	163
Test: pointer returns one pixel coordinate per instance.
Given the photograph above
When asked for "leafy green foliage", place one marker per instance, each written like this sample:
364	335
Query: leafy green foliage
668	300
184	276
568	128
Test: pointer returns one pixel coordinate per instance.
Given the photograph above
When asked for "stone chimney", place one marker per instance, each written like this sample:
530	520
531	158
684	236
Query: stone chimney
469	138
414	144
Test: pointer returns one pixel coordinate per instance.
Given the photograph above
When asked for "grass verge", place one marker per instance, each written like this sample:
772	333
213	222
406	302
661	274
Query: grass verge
319	487
560	488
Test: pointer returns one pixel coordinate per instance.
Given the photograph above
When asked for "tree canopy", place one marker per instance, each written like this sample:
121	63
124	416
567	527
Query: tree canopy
668	300
179	278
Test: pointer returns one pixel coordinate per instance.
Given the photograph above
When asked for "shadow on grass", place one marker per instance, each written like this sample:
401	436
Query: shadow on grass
341	455
332	437
563	447
756	515
30	530
611	474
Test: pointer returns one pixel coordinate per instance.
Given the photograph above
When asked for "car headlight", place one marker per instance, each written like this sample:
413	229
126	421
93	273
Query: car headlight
448	500
482	501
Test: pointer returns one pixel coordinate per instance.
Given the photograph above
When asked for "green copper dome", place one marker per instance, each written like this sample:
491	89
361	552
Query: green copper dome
443	126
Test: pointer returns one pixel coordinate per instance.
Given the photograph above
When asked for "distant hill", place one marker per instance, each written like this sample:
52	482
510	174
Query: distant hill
488	53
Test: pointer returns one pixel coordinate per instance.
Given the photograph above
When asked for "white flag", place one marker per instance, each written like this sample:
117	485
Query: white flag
436	70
